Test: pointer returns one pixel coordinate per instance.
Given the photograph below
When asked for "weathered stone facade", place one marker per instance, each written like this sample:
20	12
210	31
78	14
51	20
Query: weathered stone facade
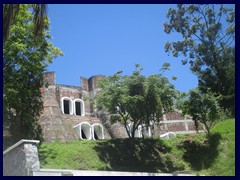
57	125
174	116
21	159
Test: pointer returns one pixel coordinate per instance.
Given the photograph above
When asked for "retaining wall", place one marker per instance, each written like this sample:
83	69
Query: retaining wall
21	158
61	172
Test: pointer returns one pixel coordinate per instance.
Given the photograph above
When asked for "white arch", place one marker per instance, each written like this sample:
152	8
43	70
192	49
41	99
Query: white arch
82	106
70	105
146	131
138	131
84	131
168	135
171	134
98	130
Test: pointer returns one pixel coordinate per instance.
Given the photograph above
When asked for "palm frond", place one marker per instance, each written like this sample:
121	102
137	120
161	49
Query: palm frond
10	12
40	11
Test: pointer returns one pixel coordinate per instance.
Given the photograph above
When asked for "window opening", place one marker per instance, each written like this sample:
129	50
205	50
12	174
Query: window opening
97	131
66	106
95	136
78	108
83	134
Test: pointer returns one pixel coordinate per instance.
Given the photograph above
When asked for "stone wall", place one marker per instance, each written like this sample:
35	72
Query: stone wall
92	82
84	84
116	130
174	116
49	78
69	91
59	126
21	159
178	126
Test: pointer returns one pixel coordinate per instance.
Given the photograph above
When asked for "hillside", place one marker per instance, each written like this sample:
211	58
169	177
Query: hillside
184	154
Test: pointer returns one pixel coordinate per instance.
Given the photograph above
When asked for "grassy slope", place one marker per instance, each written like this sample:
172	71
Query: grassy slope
225	162
189	153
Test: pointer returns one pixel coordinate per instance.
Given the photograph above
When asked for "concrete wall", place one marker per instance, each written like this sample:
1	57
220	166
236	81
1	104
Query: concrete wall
21	159
61	172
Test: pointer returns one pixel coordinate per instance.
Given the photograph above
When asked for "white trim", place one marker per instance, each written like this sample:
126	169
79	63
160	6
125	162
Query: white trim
137	132
18	143
106	173
168	135
188	132
70	105
87	130
146	131
175	121
82	106
101	134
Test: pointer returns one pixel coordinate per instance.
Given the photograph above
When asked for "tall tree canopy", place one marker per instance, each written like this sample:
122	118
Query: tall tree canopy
25	58
136	99
203	107
208	44
11	11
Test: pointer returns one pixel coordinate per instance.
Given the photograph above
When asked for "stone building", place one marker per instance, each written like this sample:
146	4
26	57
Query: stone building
69	115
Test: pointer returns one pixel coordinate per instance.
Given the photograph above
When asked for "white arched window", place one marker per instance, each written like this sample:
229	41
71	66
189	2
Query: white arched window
83	131
146	131
66	105
79	108
138	131
97	131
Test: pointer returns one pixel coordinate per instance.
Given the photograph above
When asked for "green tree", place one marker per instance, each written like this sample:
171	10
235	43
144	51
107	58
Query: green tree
25	58
11	11
135	99
203	107
208	44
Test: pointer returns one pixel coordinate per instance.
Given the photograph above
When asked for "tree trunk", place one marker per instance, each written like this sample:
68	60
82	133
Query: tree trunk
208	131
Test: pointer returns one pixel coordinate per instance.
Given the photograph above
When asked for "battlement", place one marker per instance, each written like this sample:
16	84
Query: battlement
91	83
68	114
86	84
49	78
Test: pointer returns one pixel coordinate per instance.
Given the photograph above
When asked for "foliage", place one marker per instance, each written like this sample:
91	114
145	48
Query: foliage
11	11
199	153
25	58
136	99
183	154
203	107
208	44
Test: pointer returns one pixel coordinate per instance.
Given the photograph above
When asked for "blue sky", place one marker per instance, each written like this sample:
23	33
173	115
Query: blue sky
103	39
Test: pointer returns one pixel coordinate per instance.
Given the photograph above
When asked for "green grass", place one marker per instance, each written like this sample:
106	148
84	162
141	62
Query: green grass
225	162
73	155
184	154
